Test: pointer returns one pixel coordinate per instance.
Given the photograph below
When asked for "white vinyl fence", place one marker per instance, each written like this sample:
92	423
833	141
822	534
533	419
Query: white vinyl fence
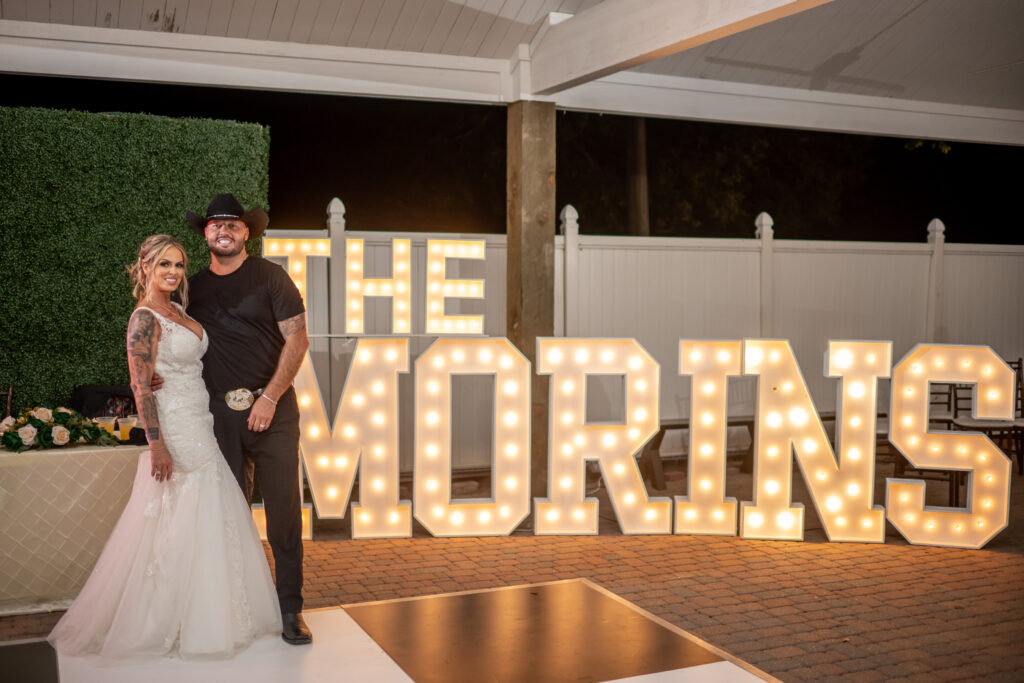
659	290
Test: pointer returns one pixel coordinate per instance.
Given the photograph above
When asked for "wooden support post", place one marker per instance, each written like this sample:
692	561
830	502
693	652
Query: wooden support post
639	204
531	255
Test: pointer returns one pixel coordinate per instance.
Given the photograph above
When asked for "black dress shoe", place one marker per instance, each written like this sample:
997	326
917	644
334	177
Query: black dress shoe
294	629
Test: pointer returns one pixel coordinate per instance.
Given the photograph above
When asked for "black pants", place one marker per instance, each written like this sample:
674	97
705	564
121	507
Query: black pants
274	455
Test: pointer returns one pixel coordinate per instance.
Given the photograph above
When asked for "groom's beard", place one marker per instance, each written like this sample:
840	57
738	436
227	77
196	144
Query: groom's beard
219	247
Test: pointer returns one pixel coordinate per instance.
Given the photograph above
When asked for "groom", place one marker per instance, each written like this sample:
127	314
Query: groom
256	322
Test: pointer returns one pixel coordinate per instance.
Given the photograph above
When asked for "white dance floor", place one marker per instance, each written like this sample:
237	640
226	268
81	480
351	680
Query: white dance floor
456	637
341	651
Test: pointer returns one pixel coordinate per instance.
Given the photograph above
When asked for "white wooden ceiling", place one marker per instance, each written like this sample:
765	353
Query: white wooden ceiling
465	28
935	68
968	52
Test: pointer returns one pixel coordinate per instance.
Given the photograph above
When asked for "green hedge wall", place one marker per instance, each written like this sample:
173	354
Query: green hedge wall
78	194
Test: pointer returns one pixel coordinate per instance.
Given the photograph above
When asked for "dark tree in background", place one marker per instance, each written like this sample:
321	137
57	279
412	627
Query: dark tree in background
409	165
711	180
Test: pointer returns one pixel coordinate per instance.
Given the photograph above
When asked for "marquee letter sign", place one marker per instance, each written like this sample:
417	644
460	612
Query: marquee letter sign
573	441
706	510
364	434
397	287
986	468
440	288
510	462
787	426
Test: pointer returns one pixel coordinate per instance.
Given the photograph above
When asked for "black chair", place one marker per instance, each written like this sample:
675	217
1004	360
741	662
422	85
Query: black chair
1011	439
95	400
1018	393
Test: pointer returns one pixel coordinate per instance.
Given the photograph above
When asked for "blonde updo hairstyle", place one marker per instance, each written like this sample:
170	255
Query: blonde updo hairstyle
152	249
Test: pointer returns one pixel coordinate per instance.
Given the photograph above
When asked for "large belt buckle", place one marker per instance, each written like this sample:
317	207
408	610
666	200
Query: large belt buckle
239	399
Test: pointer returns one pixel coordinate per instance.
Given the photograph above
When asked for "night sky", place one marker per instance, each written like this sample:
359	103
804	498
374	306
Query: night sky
409	165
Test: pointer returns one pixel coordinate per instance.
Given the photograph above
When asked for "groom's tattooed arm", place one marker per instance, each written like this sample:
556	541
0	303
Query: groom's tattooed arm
295	344
294	350
143	337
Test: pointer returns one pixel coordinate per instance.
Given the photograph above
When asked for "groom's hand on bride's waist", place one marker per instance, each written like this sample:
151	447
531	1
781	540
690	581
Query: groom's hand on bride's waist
156	382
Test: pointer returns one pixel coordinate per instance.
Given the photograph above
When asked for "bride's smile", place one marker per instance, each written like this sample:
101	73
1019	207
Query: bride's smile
168	271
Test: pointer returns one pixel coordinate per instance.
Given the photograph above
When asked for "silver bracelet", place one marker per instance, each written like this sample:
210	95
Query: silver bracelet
268	398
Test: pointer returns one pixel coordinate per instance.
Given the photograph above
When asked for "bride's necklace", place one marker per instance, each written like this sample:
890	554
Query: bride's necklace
165	310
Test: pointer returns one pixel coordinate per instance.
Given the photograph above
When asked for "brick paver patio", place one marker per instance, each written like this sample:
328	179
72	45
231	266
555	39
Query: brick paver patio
800	611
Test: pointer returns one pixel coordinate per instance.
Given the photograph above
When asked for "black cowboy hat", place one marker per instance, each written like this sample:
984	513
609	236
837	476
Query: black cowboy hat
225	206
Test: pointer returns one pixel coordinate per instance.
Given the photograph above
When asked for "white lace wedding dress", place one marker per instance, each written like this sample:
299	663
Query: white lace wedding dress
183	571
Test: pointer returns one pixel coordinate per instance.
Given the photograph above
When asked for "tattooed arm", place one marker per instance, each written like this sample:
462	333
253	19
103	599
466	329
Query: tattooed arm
143	337
295	344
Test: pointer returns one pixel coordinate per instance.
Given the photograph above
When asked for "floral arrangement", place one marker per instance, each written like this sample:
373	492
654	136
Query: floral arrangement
41	427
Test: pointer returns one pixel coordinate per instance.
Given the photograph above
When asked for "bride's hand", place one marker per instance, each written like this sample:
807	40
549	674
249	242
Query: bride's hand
162	464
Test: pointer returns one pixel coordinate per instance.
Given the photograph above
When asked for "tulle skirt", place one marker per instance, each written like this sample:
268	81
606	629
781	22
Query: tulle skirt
183	573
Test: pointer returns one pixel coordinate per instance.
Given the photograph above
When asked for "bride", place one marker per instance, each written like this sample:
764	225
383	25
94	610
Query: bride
184	570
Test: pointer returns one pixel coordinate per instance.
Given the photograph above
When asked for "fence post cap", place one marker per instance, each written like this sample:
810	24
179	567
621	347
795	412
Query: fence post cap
335	214
764	224
569	217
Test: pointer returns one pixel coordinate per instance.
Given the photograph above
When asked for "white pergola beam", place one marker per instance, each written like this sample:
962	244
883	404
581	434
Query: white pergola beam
618	34
698	99
160	57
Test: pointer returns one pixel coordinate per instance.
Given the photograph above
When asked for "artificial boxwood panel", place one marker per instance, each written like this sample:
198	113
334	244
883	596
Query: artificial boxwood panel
78	194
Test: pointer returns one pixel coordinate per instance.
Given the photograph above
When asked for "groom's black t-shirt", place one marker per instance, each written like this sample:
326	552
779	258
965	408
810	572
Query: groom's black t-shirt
240	312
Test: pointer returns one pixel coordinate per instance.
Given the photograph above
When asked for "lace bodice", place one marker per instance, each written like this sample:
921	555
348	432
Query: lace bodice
179	354
182	402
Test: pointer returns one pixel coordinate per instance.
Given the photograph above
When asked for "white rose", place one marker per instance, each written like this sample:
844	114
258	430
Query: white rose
60	435
62	409
6	424
27	434
43	414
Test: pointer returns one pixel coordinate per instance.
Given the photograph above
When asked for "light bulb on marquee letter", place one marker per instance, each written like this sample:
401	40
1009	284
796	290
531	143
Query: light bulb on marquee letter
788	423
706	510
510	449
987	467
573	442
364	437
439	288
358	287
